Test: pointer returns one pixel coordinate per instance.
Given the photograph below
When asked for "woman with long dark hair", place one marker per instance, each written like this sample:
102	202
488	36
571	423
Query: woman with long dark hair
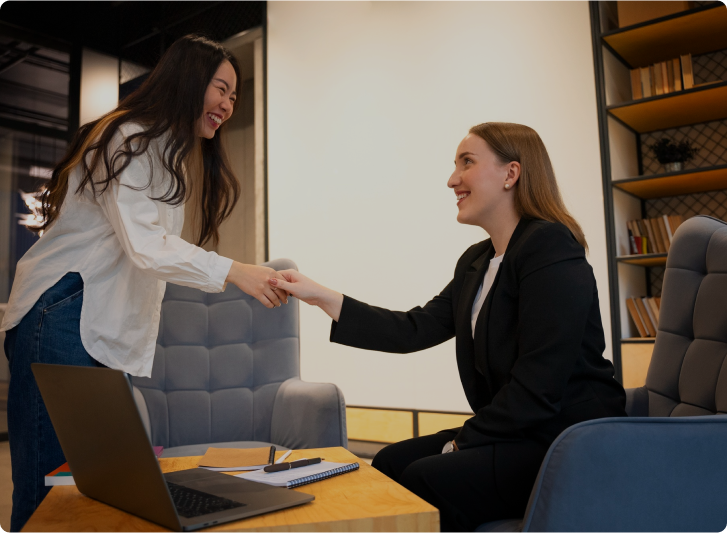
89	291
523	307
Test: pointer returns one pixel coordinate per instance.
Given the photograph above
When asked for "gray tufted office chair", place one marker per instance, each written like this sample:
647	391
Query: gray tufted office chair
227	373
664	468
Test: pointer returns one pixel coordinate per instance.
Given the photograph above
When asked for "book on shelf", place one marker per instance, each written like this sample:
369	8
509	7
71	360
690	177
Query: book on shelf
654	306
662	78
644	313
656	236
645	82
636	92
644	316
648	229
687	71
652	235
677	69
658	82
665	237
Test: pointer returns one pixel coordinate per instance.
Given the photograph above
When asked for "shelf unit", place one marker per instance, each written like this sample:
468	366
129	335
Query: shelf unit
645	260
634	187
699	104
675	183
698	31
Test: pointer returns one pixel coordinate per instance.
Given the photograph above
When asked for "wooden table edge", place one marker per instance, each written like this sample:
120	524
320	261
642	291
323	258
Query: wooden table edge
427	519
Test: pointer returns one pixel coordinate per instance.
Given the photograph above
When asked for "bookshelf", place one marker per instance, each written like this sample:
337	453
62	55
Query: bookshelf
635	185
675	183
645	260
692	106
700	31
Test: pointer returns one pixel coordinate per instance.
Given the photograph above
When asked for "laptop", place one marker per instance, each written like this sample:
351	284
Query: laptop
112	461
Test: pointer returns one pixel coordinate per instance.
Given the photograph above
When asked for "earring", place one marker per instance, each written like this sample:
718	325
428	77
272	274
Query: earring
507	185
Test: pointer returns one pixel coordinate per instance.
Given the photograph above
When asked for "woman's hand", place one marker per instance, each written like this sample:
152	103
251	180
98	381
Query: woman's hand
310	292
253	280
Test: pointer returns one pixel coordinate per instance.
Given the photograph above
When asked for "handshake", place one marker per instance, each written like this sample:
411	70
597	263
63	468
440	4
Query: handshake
272	288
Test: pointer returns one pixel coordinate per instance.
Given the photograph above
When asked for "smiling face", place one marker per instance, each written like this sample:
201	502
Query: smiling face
218	100
483	185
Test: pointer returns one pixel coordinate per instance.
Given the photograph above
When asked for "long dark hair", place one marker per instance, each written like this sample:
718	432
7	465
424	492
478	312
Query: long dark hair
169	101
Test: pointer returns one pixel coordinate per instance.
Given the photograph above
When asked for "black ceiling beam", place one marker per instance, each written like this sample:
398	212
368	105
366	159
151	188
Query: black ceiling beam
34	129
17	60
9	48
48	96
47	62
116	27
164	29
33	115
15	31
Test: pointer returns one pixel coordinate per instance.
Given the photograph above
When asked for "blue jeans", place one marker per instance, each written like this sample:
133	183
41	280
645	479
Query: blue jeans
49	333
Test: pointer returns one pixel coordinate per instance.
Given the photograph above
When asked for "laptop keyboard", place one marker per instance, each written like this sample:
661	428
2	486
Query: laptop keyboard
191	503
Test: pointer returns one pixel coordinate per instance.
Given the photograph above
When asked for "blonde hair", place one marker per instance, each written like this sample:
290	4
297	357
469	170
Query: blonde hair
536	192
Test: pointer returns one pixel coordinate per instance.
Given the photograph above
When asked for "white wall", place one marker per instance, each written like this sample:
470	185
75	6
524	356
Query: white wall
367	102
99	85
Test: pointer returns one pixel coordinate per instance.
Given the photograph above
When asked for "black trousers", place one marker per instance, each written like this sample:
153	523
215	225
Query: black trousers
469	487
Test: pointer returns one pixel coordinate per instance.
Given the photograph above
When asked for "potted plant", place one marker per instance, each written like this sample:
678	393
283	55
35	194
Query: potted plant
673	154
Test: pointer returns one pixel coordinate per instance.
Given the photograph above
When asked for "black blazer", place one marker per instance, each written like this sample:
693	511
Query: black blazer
536	364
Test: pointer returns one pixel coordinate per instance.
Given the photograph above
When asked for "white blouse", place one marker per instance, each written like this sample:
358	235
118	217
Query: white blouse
126	246
485	289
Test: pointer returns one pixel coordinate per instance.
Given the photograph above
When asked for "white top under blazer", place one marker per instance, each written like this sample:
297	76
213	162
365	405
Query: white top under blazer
485	289
126	246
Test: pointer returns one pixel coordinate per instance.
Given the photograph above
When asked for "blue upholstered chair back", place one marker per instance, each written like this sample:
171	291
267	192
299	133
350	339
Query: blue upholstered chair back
220	360
687	375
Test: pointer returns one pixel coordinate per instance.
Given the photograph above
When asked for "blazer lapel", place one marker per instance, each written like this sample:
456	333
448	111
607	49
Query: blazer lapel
463	325
481	329
481	357
471	284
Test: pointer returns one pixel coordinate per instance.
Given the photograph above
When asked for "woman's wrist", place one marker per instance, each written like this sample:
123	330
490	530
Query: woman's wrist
236	271
331	303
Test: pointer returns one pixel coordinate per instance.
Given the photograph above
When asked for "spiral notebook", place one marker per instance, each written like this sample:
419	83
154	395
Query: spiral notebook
300	476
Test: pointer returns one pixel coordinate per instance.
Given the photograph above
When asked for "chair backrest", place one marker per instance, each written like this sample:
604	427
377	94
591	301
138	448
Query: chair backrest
219	362
687	375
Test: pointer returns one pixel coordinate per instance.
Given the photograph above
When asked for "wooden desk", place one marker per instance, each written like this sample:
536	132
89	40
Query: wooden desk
364	500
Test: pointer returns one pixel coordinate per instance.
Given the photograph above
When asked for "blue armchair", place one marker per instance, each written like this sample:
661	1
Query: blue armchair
227	374
664	468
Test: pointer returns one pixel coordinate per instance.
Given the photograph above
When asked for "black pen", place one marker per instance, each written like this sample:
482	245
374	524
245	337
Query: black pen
271	459
295	464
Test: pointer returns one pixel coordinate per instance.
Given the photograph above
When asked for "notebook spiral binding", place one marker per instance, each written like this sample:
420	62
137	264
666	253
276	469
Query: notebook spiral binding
322	475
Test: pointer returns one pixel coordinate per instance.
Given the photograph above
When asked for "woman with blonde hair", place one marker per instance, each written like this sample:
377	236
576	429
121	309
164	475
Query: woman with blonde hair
89	292
523	306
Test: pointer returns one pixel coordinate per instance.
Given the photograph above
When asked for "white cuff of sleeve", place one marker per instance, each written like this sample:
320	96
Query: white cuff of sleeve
219	274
